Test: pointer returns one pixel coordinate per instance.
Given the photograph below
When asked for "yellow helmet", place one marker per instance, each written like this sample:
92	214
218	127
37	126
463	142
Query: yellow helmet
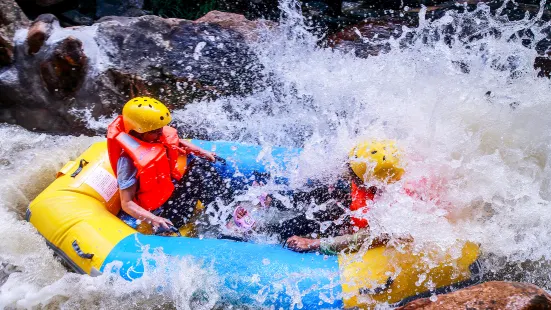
382	158
143	114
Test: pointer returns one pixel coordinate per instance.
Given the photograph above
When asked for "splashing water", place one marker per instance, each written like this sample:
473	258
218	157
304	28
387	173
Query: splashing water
458	94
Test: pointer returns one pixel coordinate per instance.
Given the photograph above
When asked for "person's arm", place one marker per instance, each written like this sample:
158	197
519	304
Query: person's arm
334	245
351	242
189	148
133	209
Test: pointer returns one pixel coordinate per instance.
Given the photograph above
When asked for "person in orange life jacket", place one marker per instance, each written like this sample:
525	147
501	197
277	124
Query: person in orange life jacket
158	181
369	161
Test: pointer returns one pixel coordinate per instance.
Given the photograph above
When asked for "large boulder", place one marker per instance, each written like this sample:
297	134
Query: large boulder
369	37
40	30
119	8
11	19
61	74
490	295
249	29
252	8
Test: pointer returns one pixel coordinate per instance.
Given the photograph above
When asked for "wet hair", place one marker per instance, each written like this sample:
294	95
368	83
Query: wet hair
135	134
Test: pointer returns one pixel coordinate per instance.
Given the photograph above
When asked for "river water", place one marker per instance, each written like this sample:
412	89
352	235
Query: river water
460	97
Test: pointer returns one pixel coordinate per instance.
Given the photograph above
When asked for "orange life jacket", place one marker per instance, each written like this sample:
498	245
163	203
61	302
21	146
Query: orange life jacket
157	163
360	196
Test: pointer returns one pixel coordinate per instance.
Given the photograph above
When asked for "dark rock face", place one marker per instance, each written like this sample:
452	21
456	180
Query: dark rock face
58	71
11	19
177	59
6	51
65	70
370	36
74	17
490	295
119	8
248	29
40	31
543	66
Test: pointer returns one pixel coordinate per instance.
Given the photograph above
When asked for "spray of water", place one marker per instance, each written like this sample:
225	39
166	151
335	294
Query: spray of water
458	94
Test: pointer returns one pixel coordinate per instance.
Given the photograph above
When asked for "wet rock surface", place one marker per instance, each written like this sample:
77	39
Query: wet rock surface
94	70
11	19
247	28
55	75
65	70
180	60
489	296
370	37
39	32
130	8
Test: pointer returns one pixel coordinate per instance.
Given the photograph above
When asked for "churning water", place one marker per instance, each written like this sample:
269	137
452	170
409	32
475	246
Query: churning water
458	94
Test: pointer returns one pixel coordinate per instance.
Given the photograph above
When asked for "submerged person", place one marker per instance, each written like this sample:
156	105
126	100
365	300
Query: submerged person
160	176
273	215
371	164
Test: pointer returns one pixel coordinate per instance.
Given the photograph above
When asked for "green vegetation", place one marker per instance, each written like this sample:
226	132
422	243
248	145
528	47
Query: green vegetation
186	9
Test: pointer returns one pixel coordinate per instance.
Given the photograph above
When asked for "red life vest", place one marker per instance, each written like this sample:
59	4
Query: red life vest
157	163
422	190
360	196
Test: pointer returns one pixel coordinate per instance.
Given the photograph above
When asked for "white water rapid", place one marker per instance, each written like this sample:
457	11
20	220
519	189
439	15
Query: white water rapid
464	104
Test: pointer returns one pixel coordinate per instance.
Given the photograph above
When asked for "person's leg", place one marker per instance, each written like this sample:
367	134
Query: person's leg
297	226
332	216
209	184
200	183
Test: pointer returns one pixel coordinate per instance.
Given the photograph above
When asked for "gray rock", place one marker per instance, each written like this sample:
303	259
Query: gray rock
118	7
40	30
11	19
98	68
370	37
489	295
76	18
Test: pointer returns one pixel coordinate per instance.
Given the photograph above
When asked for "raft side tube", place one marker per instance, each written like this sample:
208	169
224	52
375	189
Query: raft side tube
390	274
74	217
246	161
252	274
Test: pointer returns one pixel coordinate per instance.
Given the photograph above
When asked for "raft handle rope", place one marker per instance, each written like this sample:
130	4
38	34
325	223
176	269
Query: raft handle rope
378	289
220	159
80	253
83	162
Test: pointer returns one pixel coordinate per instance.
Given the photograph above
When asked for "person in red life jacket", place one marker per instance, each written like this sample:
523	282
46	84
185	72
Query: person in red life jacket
370	164
161	177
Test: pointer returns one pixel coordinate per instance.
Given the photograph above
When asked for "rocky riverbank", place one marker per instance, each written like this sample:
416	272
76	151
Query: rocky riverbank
488	296
53	73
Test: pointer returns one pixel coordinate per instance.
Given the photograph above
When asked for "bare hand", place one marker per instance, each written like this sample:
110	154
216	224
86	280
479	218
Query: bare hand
241	212
210	156
158	221
299	244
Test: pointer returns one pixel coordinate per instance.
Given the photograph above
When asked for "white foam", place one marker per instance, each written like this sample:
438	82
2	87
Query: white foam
470	113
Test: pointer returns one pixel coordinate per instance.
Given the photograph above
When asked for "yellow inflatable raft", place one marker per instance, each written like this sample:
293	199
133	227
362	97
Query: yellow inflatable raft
76	215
